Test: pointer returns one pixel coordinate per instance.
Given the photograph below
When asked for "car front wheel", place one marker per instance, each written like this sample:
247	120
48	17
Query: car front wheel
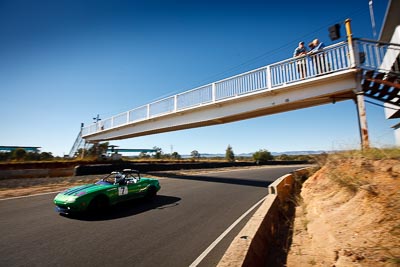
151	193
98	204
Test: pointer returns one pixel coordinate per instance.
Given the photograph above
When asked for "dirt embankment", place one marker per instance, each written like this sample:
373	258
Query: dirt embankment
349	215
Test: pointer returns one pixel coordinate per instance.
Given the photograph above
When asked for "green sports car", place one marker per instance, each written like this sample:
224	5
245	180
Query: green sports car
119	186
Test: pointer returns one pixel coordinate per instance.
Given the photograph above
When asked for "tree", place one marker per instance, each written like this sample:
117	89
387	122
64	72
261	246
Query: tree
195	154
97	150
5	156
262	156
143	155
158	153
21	154
284	157
229	155
175	155
32	156
46	156
18	154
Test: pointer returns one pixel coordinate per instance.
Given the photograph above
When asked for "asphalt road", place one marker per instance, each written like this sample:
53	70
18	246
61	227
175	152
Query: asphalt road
189	213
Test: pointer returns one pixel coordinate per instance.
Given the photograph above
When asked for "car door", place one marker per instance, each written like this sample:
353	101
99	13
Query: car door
136	188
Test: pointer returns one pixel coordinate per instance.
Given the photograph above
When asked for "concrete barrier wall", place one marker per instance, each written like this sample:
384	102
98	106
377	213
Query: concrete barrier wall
149	167
89	169
160	166
257	242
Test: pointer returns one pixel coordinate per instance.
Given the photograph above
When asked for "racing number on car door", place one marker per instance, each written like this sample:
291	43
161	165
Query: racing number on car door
122	190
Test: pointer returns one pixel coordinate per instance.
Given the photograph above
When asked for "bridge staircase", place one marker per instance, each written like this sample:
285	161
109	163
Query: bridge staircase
382	86
79	143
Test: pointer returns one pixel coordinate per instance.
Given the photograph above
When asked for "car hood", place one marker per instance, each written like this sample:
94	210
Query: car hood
84	189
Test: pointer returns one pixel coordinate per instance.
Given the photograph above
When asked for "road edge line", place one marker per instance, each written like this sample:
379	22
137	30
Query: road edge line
215	243
34	195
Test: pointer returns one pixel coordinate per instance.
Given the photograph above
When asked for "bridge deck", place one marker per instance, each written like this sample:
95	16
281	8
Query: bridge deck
325	77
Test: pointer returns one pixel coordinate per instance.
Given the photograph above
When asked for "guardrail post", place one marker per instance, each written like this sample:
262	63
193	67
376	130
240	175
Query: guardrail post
148	111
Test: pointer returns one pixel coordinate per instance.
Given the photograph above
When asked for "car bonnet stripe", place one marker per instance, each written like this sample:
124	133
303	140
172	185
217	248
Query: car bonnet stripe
73	191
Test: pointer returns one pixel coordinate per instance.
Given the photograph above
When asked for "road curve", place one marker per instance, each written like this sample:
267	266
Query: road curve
187	216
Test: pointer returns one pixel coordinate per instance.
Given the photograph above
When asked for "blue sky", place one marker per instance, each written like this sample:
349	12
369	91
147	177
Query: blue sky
63	62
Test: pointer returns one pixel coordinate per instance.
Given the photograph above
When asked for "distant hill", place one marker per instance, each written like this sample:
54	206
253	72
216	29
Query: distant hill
309	152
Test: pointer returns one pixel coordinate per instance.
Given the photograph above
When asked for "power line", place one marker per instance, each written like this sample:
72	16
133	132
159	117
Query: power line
275	50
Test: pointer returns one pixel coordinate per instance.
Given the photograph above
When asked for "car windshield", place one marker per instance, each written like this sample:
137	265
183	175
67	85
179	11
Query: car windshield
117	177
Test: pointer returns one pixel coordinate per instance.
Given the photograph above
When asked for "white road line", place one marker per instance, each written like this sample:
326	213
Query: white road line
34	195
215	243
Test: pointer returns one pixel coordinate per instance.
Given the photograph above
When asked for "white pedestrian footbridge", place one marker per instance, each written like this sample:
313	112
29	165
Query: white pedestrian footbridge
339	72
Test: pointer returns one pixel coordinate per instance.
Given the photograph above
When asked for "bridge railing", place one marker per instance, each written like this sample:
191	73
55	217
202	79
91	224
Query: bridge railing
198	96
379	56
331	59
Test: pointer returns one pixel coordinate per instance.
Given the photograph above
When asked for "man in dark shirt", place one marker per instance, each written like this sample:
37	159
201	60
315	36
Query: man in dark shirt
301	50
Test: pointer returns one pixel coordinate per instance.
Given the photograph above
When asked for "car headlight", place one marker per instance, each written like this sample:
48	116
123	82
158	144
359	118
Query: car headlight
71	199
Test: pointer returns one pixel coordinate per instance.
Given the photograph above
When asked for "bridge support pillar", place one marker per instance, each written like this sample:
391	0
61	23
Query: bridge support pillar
362	120
362	114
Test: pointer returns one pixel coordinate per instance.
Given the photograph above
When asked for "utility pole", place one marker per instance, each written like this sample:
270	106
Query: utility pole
371	13
96	119
362	114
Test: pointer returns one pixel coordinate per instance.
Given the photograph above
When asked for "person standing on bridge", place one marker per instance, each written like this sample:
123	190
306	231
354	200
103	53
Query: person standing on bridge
311	46
301	51
317	57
